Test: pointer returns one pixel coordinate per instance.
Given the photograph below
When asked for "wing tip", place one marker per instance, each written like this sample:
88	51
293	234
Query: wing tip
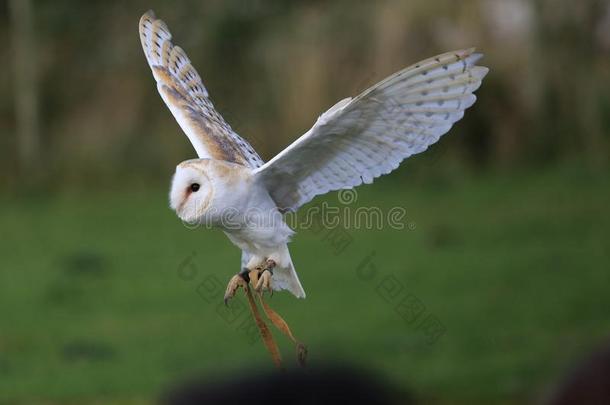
472	58
468	51
154	34
469	101
148	16
480	71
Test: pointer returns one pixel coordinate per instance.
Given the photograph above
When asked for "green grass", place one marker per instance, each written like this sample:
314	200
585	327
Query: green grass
93	308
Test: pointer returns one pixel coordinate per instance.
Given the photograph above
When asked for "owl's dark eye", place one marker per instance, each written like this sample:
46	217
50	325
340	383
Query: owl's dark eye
195	187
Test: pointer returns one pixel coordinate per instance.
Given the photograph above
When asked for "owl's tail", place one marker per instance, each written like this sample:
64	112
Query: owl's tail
286	278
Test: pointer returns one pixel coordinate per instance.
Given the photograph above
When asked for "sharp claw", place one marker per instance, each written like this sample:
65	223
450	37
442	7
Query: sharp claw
227	298
235	282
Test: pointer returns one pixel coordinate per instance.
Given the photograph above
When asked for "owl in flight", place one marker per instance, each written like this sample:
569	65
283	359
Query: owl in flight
357	140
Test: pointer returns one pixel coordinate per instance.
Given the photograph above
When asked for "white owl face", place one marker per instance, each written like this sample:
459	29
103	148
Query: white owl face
191	191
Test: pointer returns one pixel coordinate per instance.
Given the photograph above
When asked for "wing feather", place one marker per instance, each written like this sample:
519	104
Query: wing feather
362	138
182	90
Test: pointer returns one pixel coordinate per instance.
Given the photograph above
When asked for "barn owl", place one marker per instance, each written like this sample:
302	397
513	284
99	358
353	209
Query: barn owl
354	142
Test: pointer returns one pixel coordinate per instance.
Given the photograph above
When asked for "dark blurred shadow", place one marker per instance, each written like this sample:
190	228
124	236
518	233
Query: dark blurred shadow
328	384
588	382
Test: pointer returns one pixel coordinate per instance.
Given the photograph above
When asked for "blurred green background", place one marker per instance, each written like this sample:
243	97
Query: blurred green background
508	243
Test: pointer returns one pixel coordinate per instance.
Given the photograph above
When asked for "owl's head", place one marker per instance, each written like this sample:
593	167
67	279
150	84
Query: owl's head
191	192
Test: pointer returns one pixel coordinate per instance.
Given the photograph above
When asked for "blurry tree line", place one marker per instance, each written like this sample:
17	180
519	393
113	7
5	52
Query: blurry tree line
79	102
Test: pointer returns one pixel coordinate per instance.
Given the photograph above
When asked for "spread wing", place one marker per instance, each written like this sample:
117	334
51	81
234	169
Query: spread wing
184	93
365	137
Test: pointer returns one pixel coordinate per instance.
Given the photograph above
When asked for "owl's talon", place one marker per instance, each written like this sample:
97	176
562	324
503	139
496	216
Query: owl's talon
235	282
264	282
263	275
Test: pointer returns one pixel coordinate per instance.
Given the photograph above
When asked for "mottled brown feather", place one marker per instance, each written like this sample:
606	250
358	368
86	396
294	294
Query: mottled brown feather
184	93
